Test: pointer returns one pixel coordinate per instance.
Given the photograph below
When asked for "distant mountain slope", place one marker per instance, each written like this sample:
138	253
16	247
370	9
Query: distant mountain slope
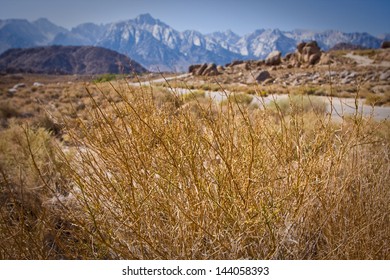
19	34
85	34
261	42
327	39
67	60
158	46
48	29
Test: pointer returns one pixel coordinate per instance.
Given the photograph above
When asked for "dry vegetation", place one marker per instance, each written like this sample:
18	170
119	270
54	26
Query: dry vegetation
120	172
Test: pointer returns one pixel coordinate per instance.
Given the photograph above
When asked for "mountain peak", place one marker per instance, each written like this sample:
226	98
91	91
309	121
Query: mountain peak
45	23
43	20
146	19
230	32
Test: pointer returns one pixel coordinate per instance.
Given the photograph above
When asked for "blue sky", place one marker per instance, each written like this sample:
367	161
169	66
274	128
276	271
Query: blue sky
206	16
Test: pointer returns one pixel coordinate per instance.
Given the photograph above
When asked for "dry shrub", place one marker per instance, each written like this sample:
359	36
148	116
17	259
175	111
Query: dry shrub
240	98
7	111
49	123
27	178
150	181
378	99
191	95
299	104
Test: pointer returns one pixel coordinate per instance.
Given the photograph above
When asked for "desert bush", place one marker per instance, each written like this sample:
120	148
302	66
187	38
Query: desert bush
195	94
210	87
105	78
250	91
147	182
8	111
310	91
47	122
377	99
166	98
262	93
16	143
299	104
28	180
238	98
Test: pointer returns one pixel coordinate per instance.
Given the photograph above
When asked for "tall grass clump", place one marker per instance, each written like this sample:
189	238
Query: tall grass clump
29	217
7	111
240	98
299	104
149	181
192	95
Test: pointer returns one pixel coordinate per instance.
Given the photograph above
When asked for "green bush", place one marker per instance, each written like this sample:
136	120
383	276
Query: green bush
105	78
310	91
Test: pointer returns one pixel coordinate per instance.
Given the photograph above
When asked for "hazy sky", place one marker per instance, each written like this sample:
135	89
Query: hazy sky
206	16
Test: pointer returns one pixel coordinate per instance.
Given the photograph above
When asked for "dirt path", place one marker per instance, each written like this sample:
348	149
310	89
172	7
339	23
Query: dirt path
337	106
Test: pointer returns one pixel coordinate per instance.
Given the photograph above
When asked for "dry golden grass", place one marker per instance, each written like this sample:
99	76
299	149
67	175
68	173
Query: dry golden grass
145	175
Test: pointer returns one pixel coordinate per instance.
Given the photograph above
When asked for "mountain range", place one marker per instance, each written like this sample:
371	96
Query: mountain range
157	46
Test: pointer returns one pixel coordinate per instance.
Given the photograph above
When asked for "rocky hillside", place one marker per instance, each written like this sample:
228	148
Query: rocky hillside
83	60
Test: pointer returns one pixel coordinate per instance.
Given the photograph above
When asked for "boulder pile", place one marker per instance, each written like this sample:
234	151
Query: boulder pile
306	54
277	70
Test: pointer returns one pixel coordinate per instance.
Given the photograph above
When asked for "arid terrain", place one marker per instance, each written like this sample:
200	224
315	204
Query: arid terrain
250	160
359	73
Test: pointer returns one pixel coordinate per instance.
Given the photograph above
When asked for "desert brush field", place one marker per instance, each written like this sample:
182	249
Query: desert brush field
104	169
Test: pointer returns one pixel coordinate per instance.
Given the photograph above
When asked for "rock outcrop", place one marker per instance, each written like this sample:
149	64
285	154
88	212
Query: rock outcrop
262	76
307	53
274	58
234	63
311	53
205	69
385	45
211	70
